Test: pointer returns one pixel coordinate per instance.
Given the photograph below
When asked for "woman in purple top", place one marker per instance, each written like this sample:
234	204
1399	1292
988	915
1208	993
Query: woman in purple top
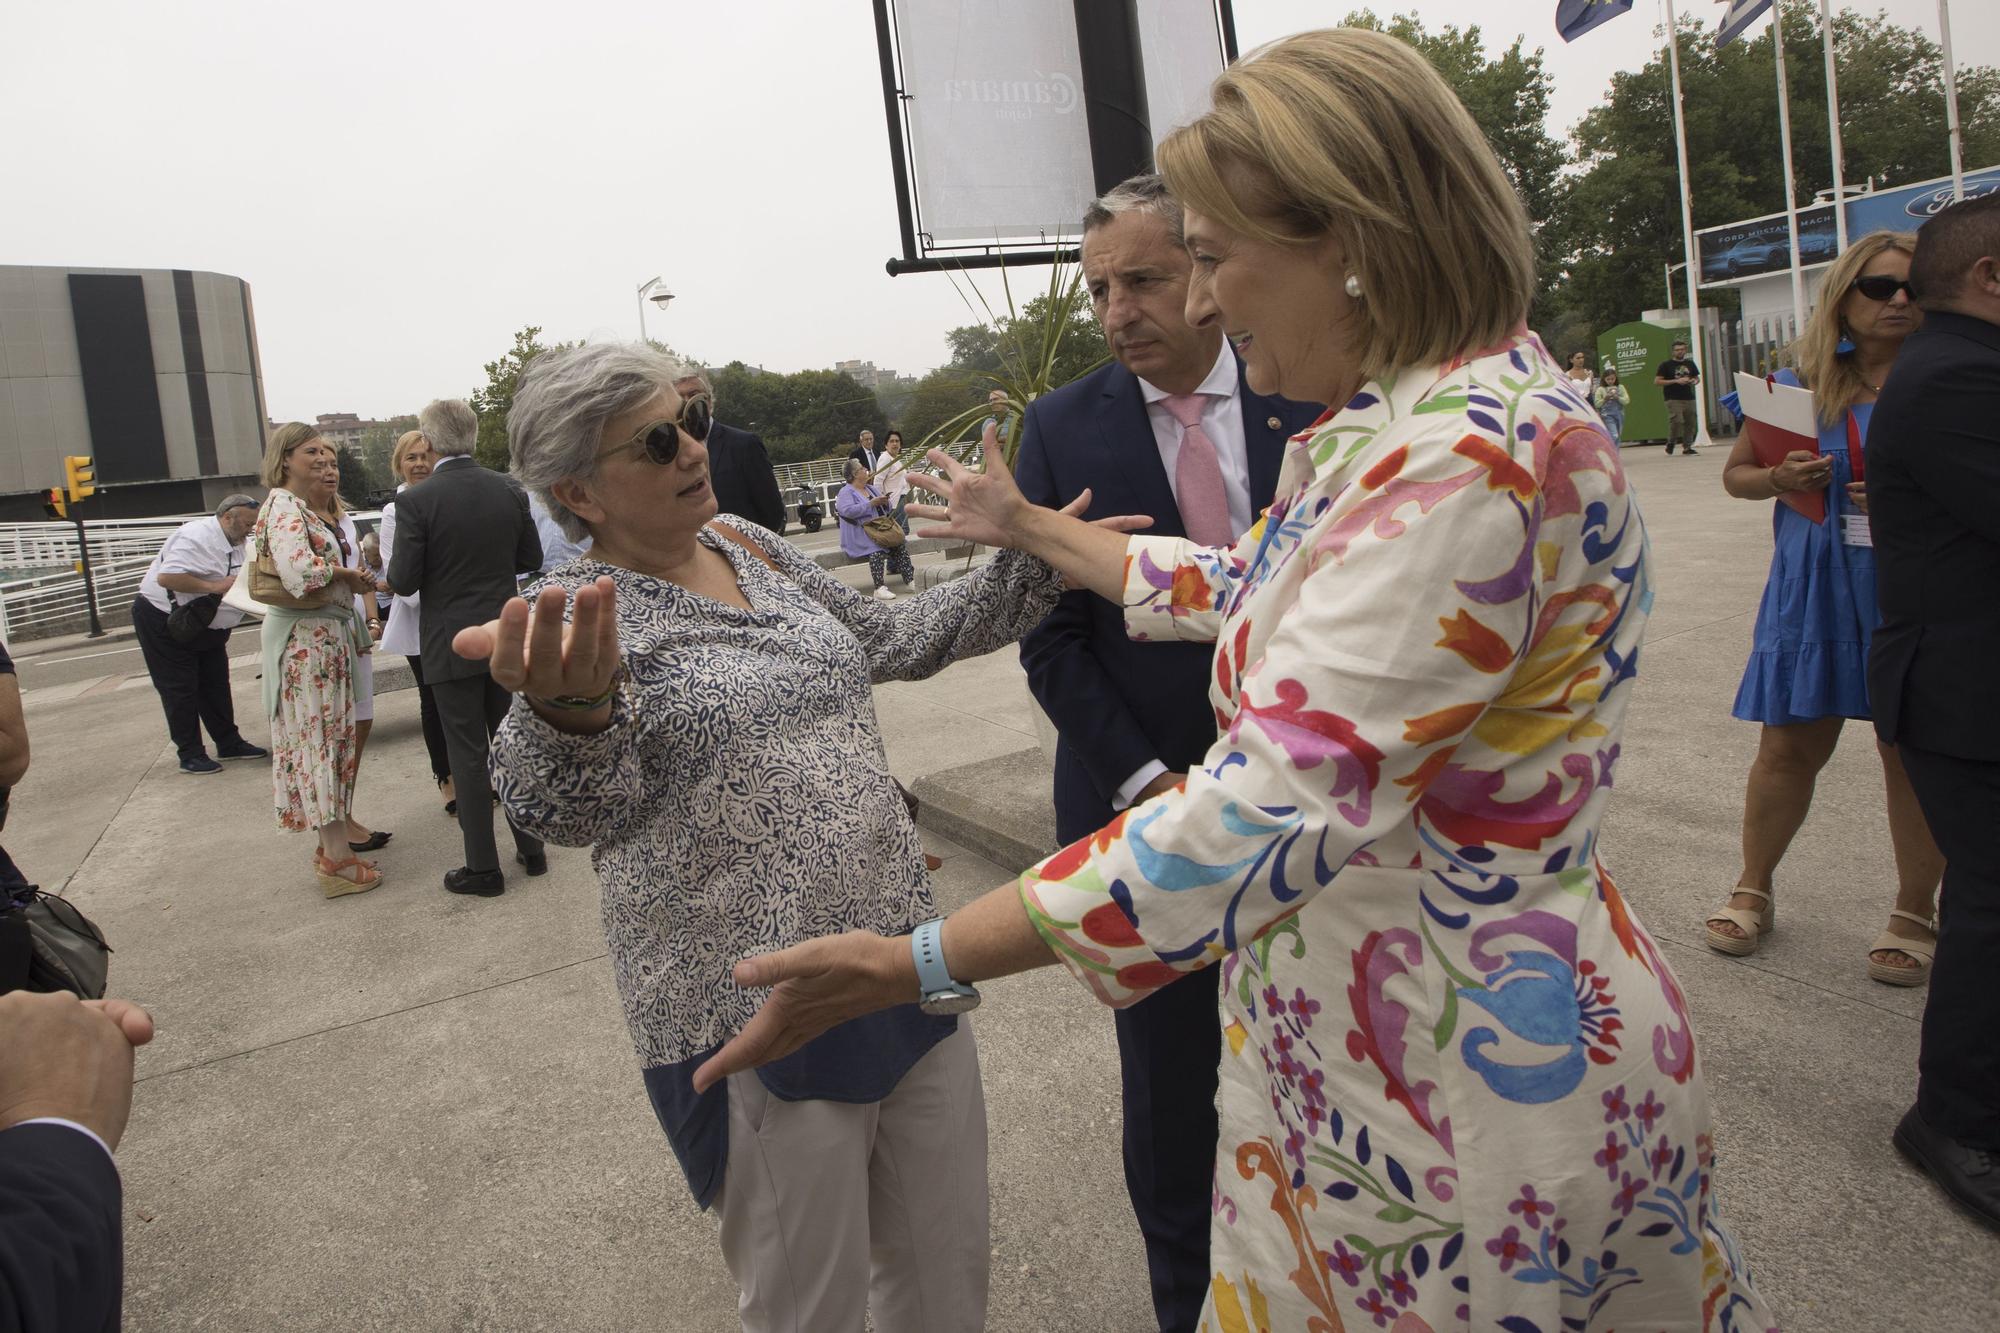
858	502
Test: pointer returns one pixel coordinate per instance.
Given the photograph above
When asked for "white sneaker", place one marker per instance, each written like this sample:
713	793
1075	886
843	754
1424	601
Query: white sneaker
884	594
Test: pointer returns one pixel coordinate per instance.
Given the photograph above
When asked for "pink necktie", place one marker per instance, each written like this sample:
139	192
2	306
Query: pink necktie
1198	490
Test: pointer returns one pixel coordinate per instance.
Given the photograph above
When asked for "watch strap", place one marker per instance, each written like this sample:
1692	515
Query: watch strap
927	948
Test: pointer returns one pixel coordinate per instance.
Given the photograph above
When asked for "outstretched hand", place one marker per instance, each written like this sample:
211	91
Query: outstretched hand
986	507
815	986
530	651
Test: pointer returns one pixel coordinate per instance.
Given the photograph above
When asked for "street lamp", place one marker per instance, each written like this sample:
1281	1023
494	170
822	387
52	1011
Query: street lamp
659	296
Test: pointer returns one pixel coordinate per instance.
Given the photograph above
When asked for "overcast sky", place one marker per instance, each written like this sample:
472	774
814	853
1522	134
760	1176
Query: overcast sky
404	184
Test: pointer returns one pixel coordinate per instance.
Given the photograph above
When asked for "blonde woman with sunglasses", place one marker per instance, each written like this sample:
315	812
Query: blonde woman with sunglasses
1807	672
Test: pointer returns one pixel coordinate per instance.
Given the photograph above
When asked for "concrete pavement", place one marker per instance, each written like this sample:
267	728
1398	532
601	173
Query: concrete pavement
408	1110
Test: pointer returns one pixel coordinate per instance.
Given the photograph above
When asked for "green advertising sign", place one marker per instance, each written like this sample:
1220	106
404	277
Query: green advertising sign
1637	349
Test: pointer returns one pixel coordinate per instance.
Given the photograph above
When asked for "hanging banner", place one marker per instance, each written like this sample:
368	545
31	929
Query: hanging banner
992	93
1757	246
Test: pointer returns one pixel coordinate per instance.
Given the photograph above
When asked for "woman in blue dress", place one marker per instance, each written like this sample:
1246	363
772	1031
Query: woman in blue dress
1809	657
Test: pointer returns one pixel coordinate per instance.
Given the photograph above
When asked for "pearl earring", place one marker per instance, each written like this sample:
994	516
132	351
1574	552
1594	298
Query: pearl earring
1353	287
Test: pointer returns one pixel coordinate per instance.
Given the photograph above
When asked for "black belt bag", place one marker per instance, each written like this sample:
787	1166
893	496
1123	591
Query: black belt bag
188	620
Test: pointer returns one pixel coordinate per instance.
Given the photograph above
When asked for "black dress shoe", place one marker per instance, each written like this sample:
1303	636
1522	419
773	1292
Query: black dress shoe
536	862
1969	1176
479	883
375	843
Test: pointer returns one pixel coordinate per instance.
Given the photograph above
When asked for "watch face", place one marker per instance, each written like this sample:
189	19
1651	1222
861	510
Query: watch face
939	1003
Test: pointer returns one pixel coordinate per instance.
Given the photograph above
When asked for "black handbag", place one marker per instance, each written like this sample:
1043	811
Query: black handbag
190	619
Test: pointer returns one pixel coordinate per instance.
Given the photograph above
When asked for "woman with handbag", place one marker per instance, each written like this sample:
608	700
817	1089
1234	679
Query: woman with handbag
313	635
868	532
184	626
360	838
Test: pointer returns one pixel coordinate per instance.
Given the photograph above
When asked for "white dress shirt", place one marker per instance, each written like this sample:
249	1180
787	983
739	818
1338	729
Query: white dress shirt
557	548
199	547
1222	421
401	635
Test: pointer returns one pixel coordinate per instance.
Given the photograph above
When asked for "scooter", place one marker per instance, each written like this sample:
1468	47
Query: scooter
811	512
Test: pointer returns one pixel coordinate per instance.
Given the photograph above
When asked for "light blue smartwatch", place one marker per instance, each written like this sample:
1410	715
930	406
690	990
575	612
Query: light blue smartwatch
940	994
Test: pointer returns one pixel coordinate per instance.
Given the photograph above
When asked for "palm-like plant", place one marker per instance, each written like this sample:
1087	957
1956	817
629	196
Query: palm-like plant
1030	341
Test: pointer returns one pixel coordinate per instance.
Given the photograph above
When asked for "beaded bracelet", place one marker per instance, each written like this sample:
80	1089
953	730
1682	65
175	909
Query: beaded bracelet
576	703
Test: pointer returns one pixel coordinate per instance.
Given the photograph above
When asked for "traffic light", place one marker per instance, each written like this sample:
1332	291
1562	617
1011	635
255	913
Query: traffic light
79	475
54	504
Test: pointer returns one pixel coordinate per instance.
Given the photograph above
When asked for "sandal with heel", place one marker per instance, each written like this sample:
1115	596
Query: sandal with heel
334	884
1754	925
1924	951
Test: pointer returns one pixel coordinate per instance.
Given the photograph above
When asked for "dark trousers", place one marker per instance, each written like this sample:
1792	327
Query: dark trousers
192	680
427	710
1958	1065
1169	1045
470	709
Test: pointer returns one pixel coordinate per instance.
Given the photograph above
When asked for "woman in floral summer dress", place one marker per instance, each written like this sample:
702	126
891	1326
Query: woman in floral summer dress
309	655
1459	1084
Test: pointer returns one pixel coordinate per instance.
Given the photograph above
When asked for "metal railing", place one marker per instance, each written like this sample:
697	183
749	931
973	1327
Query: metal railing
824	476
41	590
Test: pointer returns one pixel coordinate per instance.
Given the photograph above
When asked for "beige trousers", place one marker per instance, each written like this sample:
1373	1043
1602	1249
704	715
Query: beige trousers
830	1210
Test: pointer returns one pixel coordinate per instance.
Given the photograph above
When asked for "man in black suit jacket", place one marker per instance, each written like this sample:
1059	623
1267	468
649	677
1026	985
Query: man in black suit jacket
462	536
65	1094
739	469
1934	507
1134	716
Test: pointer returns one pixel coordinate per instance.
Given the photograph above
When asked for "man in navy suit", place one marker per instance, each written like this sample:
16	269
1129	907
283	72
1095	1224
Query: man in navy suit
65	1095
1934	503
1171	431
739	469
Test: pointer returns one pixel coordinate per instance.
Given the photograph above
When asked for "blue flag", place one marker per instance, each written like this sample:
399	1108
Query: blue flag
1574	18
1740	15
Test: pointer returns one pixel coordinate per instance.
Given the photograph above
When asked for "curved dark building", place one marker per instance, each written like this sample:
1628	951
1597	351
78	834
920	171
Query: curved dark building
152	372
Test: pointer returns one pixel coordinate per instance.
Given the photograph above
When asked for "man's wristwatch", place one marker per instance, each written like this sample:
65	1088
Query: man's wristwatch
939	993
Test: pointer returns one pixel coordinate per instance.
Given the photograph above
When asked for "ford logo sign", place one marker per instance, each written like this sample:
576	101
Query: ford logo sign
1930	205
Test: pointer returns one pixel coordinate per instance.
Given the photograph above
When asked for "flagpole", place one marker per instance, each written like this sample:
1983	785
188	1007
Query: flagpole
1833	129
1687	217
1952	129
1785	146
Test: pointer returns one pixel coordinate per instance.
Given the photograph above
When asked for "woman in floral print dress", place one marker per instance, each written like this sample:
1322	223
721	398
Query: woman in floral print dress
1460	1086
309	654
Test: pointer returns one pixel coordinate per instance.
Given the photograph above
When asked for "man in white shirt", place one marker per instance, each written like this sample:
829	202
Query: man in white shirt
1168	430
557	548
196	566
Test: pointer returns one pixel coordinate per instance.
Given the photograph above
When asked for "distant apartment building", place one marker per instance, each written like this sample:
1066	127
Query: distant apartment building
869	376
343	430
863	373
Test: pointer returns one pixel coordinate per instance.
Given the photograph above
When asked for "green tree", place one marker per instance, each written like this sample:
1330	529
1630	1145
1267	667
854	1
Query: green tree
496	398
940	396
354	487
378	446
1619	218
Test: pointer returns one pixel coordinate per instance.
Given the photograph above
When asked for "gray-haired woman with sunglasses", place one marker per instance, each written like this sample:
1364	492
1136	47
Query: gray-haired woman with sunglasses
703	724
